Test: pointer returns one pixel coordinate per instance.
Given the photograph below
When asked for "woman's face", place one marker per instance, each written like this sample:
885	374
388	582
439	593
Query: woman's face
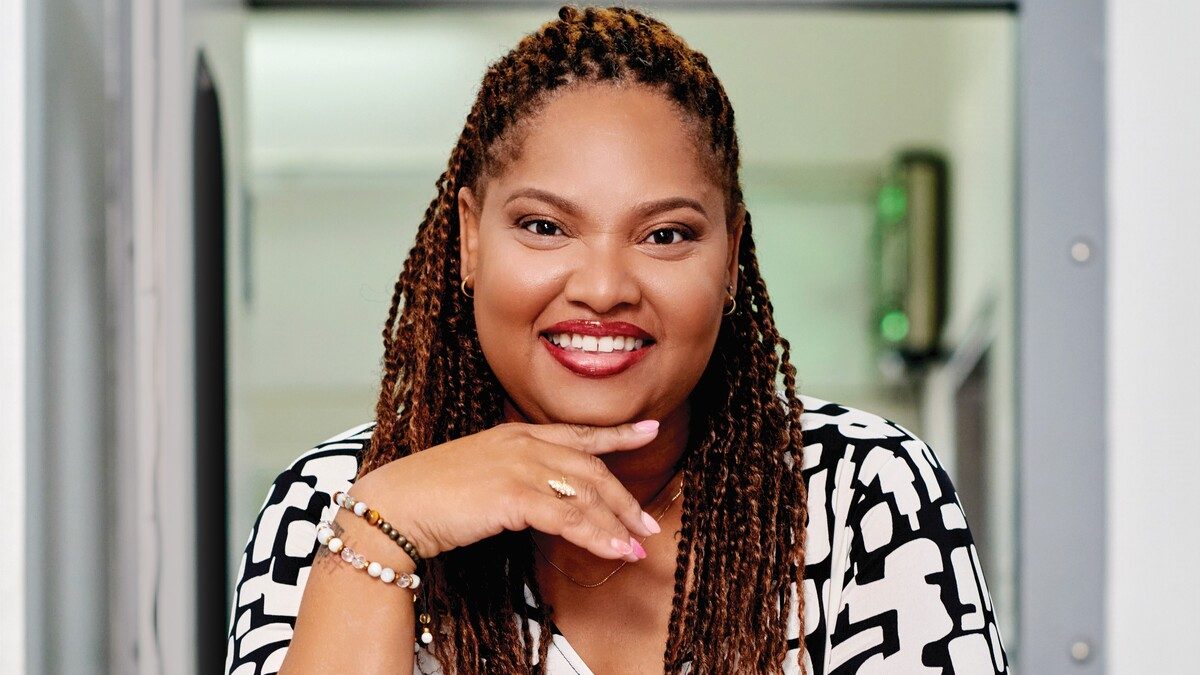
600	260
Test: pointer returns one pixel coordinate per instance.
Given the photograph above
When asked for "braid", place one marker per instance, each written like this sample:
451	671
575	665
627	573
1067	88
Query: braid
742	531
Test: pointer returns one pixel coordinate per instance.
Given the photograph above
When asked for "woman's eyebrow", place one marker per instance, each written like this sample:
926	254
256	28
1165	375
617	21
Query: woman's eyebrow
643	210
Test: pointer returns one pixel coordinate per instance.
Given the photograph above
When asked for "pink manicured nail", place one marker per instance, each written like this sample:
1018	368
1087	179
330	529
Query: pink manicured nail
651	524
622	547
646	426
637	548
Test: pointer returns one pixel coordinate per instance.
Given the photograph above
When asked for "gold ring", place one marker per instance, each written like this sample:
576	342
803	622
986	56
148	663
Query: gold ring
561	487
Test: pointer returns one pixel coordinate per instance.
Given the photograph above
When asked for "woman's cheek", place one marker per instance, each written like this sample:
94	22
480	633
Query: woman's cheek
688	300
511	294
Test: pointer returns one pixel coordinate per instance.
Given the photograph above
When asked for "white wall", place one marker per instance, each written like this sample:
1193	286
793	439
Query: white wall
1153	331
12	326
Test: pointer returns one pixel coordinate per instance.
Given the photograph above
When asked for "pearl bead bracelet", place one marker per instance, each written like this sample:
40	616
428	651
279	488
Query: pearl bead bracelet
387	575
327	538
373	518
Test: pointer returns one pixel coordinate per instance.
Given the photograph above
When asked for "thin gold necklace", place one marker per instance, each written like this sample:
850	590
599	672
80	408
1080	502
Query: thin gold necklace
623	562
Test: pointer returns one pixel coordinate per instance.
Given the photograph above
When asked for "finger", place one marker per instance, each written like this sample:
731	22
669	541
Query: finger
564	517
597	440
617	499
588	499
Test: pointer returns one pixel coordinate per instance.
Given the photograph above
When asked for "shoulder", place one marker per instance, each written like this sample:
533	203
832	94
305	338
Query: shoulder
331	464
281	546
865	448
889	547
874	479
302	494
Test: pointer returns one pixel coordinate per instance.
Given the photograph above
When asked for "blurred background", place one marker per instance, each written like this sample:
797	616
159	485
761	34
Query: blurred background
205	204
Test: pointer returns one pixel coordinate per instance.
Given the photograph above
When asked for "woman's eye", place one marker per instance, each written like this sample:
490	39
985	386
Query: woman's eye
541	227
667	236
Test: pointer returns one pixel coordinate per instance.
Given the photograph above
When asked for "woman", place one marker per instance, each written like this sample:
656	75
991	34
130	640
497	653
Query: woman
580	431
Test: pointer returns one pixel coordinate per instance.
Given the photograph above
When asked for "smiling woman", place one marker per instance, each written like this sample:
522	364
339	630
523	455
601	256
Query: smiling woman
581	367
606	216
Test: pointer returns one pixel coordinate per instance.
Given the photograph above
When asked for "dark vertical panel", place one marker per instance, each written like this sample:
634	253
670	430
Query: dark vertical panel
973	456
208	189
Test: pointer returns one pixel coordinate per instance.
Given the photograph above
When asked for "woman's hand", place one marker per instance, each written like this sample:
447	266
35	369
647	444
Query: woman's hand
474	487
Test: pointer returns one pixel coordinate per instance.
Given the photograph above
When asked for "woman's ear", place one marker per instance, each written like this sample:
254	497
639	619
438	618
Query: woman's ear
468	230
736	223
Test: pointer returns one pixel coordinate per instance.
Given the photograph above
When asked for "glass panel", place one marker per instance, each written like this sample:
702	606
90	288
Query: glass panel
878	164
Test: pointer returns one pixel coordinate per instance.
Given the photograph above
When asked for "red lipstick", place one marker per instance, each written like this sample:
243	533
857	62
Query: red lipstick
599	328
597	364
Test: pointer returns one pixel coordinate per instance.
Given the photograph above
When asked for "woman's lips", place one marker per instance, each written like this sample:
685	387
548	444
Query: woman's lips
595	364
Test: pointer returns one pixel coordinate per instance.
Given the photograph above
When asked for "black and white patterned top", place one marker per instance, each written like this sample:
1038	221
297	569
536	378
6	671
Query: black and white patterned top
892	578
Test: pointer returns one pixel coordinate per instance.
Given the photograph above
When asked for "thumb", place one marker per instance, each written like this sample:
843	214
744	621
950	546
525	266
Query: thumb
597	440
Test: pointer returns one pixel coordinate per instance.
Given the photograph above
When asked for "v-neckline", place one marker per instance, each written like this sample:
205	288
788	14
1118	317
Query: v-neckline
559	640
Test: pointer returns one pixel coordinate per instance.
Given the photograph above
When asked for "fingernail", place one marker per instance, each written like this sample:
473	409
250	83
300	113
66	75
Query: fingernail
622	547
637	548
651	523
646	426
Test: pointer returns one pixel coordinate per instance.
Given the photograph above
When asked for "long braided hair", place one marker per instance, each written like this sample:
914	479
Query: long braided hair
744	515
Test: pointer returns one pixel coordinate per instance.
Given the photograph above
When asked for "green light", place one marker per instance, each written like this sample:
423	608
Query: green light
892	203
894	326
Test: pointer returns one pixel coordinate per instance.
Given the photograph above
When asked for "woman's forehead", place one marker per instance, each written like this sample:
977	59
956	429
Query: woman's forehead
615	140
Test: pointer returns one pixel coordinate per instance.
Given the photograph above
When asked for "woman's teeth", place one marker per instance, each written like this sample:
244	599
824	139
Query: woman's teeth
592	343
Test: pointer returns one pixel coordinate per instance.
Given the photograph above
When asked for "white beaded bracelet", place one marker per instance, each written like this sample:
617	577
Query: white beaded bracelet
326	537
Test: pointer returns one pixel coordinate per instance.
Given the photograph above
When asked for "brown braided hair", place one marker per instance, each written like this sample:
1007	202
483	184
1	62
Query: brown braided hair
744	516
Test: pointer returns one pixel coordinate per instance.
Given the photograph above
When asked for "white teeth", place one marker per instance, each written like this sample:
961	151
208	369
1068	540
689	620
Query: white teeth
592	343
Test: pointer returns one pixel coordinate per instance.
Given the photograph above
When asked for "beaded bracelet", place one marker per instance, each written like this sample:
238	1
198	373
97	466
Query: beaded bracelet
327	538
373	518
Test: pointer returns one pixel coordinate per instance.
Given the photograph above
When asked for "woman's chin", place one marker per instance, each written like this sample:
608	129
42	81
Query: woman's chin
593	419
595	413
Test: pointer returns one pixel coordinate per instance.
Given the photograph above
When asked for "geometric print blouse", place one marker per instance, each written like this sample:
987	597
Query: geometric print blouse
892	581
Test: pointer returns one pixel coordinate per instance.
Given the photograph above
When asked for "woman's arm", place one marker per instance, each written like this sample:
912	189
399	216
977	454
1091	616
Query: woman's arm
319	613
349	621
915	598
280	551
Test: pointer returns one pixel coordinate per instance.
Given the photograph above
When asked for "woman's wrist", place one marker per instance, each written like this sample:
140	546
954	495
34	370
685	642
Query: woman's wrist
375	519
338	588
396	521
369	541
362	508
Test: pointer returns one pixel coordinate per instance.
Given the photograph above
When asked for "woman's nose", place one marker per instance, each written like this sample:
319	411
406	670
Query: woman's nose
602	280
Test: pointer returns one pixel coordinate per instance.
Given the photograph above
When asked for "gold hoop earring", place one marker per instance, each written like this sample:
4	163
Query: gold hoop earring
463	287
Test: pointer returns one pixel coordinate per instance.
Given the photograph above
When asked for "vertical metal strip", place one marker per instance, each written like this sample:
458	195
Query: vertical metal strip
1061	336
